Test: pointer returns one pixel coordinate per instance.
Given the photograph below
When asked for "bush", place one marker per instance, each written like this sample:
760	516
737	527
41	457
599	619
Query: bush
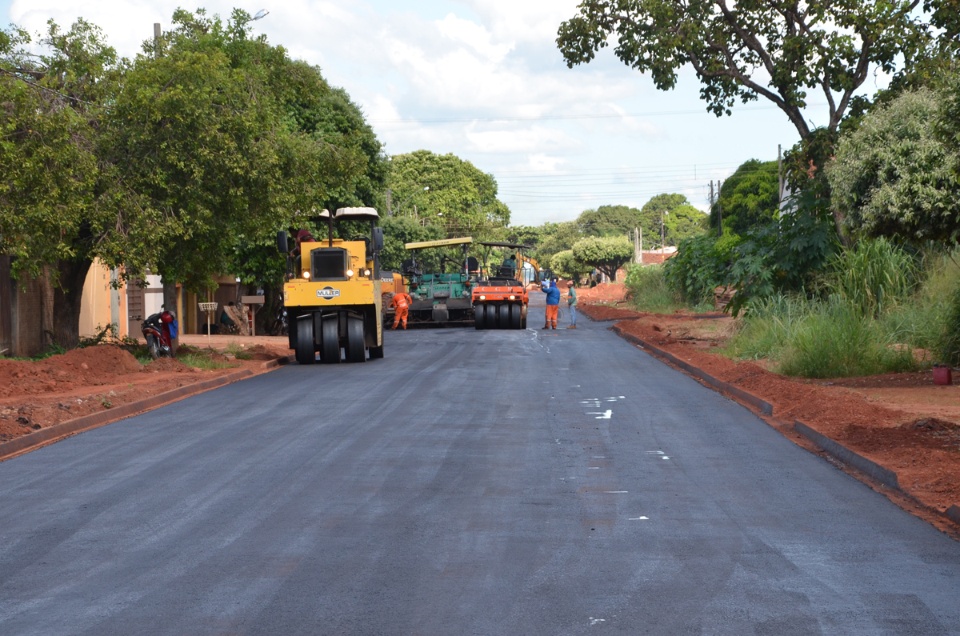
839	341
648	289
768	325
874	276
700	265
949	346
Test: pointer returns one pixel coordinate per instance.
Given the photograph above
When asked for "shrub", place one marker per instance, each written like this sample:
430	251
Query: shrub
649	291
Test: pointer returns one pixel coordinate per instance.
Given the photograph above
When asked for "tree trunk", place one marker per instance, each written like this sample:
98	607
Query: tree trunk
170	298
67	296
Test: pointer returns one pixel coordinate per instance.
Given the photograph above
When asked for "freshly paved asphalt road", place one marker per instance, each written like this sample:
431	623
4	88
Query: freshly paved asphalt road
494	482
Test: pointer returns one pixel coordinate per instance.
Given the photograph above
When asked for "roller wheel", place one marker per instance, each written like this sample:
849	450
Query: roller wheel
330	341
356	351
480	317
304	342
503	319
516	317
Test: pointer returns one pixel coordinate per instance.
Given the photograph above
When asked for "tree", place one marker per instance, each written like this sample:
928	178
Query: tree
894	177
220	139
683	222
609	220
448	192
399	230
50	109
564	264
679	219
749	198
778	51
605	254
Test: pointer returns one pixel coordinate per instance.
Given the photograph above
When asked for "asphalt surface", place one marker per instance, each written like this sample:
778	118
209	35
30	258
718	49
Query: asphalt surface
471	482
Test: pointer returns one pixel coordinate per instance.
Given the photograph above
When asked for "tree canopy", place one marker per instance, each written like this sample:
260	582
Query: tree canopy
895	177
447	191
749	198
679	220
783	52
609	220
183	162
606	254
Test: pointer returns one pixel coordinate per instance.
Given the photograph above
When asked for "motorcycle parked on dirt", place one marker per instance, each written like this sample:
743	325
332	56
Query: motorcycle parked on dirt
160	330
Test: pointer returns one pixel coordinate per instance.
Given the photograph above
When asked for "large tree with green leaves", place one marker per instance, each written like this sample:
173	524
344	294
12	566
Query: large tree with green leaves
607	255
895	177
670	217
447	191
749	198
609	220
781	51
53	88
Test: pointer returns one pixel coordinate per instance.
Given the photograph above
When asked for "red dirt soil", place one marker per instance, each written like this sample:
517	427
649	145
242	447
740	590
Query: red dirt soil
901	421
35	395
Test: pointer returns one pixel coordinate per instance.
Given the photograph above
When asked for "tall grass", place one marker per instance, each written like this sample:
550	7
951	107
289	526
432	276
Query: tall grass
837	340
874	276
648	290
879	305
767	327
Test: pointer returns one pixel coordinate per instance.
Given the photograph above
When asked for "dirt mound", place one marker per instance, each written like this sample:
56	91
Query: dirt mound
603	293
90	366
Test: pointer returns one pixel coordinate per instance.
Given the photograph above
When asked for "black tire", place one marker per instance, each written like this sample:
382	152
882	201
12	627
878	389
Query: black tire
516	316
503	317
153	347
305	352
330	341
480	317
356	349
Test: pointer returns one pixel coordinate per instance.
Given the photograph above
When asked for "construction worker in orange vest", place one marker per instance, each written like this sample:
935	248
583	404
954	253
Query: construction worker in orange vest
401	302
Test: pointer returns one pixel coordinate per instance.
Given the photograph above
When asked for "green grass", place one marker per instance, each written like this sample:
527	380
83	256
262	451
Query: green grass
836	340
647	290
202	360
879	307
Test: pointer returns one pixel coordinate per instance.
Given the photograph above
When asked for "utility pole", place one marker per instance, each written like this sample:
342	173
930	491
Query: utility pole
719	211
779	179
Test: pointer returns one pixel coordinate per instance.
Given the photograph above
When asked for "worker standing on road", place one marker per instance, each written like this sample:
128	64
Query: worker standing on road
401	302
572	304
553	303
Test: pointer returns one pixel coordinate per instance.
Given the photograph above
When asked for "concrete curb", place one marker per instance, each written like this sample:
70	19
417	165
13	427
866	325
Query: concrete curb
96	420
868	467
953	512
739	394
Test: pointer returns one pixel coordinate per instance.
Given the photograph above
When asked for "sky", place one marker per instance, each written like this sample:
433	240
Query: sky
484	80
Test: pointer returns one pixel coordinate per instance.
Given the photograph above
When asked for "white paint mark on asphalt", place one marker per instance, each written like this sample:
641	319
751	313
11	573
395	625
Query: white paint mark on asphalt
597	621
639	518
664	457
594	468
616	492
655	452
601	415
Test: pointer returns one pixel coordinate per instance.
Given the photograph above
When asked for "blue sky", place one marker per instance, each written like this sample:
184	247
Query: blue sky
483	79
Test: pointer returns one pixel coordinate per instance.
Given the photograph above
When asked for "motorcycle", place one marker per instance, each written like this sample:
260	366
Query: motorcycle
160	330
